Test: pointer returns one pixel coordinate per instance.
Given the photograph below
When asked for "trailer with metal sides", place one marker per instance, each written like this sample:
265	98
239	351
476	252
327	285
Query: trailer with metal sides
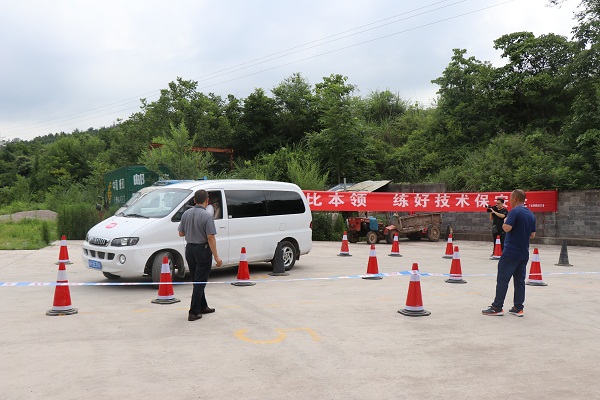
414	227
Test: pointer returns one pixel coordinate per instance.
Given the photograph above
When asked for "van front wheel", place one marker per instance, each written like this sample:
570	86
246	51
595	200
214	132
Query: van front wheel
289	255
157	265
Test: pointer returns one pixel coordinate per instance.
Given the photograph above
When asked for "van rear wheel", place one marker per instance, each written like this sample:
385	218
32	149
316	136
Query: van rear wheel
289	255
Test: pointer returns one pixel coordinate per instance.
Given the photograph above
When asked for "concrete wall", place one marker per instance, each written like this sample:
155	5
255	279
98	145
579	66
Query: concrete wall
577	221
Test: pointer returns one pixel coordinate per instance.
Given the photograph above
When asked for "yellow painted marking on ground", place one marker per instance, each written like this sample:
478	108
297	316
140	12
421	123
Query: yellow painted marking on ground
282	335
241	334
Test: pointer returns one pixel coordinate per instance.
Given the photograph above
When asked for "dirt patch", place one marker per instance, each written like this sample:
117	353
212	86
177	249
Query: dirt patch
34	214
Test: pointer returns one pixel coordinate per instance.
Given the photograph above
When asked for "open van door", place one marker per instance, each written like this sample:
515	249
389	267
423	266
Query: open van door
215	199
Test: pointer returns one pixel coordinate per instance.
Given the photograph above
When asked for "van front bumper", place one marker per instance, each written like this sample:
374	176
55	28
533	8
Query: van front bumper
127	261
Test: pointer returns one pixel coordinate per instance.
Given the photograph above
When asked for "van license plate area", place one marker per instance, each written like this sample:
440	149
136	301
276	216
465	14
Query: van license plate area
95	264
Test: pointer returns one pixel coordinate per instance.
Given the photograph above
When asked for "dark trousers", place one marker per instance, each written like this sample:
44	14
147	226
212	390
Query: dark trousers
199	260
502	236
515	268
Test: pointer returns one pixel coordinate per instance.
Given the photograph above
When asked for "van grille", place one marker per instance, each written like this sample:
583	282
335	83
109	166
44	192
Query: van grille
98	241
102	255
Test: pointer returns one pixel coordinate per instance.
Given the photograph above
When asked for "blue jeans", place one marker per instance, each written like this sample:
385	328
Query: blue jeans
516	268
199	259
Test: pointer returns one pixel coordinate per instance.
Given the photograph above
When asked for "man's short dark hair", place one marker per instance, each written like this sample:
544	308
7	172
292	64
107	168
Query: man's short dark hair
200	196
519	195
500	199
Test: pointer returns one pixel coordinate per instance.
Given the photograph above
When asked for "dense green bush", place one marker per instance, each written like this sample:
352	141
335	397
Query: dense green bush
45	228
74	220
327	226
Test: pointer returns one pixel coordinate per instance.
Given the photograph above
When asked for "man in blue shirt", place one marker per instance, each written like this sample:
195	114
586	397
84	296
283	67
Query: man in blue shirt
519	226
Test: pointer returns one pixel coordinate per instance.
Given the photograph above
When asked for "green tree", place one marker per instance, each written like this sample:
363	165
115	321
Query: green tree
533	90
175	154
296	109
380	107
340	144
68	159
256	129
463	110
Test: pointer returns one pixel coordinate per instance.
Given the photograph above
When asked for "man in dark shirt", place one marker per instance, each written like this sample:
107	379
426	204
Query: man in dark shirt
198	227
497	215
519	226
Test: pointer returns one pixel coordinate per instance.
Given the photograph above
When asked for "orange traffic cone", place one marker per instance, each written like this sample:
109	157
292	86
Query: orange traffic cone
395	247
372	268
165	288
449	251
497	249
243	275
63	255
344	251
535	272
62	295
455	269
414	300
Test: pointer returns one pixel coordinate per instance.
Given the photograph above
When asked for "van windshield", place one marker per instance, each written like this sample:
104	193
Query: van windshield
157	204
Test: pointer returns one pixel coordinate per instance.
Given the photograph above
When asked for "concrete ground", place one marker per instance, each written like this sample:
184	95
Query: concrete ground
298	338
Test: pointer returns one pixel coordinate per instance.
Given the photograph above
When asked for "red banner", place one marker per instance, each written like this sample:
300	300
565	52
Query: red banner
537	201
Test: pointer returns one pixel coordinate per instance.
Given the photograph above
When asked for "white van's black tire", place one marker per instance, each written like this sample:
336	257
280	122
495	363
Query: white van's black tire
157	265
289	255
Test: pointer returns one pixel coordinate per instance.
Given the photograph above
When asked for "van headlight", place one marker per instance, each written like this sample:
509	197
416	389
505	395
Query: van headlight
125	241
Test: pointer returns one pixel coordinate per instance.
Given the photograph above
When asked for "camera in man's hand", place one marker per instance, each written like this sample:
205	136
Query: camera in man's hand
488	208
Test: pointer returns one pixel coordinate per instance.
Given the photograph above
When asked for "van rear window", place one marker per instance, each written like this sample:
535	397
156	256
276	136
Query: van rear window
284	202
260	203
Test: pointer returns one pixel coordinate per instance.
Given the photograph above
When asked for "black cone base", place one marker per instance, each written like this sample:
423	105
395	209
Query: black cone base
54	313
408	313
243	283
166	301
534	283
455	281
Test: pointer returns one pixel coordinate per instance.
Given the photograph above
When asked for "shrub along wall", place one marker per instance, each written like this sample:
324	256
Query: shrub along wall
577	221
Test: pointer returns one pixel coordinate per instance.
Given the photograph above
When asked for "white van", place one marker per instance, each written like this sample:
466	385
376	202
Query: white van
256	215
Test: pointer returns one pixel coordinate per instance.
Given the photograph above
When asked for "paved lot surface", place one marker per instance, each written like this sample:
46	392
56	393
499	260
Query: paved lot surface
305	339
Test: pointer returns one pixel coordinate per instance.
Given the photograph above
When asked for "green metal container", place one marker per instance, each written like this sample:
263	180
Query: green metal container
120	184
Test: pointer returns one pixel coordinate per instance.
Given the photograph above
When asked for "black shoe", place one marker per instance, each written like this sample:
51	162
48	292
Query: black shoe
514	311
207	310
194	317
493	311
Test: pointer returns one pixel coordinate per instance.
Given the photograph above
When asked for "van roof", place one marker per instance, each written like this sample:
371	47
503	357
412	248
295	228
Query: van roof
233	184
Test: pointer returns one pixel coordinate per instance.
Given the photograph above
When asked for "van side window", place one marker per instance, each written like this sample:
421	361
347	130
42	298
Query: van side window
280	202
214	200
246	203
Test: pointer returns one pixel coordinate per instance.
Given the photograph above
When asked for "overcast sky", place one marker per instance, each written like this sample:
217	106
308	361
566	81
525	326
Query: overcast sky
67	65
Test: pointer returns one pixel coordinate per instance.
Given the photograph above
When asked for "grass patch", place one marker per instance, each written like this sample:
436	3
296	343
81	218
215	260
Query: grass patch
26	234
